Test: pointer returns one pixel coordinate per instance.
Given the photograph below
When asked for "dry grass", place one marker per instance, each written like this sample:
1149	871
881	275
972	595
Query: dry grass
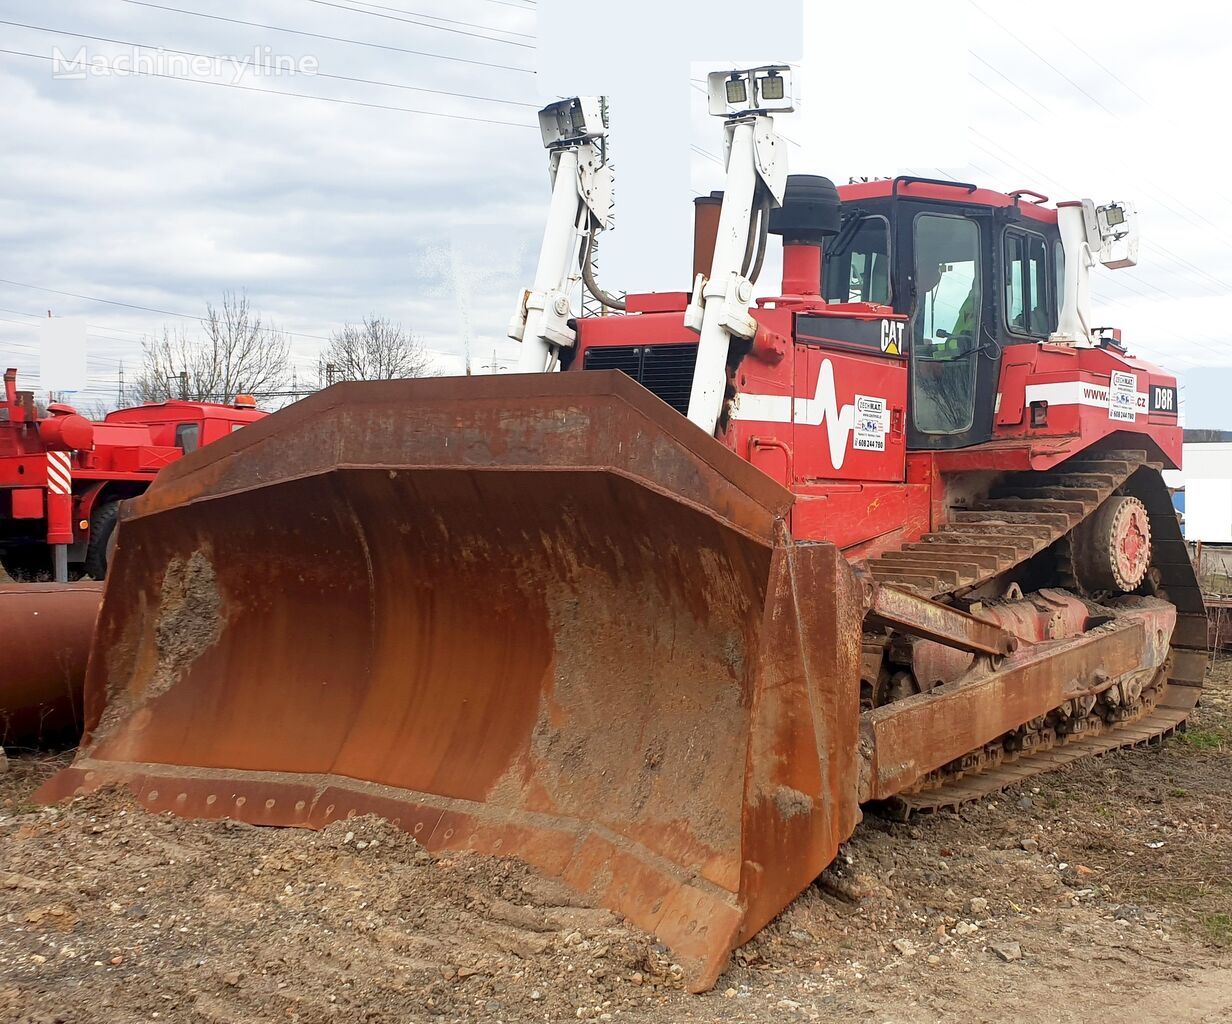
1169	840
25	775
1216	583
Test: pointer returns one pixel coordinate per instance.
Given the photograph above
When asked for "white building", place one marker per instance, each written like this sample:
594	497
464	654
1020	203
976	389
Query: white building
1206	477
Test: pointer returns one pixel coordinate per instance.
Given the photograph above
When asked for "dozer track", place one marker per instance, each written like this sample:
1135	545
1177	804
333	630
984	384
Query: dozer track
1021	518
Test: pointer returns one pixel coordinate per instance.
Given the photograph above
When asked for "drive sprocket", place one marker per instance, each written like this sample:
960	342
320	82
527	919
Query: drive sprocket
1112	549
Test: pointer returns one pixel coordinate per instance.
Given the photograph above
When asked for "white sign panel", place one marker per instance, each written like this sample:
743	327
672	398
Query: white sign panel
1123	397
872	423
1208	511
62	354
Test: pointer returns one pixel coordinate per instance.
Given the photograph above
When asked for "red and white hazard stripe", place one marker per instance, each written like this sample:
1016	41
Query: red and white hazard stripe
60	472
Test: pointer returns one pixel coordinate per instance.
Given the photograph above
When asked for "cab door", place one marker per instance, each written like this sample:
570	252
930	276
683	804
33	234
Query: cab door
945	277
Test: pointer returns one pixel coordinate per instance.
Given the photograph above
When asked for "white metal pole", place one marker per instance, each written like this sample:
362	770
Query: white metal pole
710	375
555	258
1074	318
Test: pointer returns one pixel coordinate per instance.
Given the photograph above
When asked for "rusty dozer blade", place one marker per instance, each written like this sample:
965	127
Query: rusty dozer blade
538	616
45	631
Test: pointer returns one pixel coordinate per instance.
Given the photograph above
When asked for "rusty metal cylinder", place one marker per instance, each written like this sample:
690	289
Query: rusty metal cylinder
45	632
705	231
1047	615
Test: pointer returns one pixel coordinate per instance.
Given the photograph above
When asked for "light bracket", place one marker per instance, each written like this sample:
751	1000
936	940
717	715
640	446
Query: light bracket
1117	224
746	91
573	120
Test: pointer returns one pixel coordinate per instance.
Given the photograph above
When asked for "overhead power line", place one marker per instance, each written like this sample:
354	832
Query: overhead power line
92	327
1105	281
302	95
145	309
499	3
1112	113
1168	254
1002	96
1034	98
419	14
1104	68
1192	266
1152	195
335	39
1027	46
245	62
1000	74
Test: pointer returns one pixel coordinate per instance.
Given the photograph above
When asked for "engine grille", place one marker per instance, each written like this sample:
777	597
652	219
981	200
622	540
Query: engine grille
663	370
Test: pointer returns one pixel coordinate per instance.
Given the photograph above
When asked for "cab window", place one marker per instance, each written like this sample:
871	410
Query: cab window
945	322
1027	307
188	437
857	262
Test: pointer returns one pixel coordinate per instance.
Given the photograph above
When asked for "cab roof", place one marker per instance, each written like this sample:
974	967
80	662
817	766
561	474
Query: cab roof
178	409
1032	204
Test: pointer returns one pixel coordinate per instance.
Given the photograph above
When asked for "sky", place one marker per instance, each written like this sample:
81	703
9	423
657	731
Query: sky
390	196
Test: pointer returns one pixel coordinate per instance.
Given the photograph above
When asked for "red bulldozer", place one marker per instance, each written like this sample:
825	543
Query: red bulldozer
665	613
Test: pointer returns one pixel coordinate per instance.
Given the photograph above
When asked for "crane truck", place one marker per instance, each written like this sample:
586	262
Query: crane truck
666	621
62	478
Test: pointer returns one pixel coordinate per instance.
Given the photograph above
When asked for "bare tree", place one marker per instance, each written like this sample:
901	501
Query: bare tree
376	349
97	409
237	354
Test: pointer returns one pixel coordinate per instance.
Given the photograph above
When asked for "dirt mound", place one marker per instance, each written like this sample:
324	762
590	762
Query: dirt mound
1105	885
220	921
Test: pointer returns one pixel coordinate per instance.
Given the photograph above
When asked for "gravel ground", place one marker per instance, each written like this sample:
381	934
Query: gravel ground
1100	891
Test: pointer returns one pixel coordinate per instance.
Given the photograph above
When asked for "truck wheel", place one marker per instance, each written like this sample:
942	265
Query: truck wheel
102	534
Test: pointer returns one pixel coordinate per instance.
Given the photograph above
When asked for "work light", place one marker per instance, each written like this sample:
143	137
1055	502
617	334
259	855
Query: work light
764	90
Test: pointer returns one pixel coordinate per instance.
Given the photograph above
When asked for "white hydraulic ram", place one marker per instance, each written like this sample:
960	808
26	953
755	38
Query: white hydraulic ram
574	132
1107	233
756	162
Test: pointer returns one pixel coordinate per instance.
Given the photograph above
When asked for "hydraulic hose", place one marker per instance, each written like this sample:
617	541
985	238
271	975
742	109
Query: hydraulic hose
763	232
588	275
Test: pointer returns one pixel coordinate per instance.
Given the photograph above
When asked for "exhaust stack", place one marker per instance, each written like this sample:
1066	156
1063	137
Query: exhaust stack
809	215
705	231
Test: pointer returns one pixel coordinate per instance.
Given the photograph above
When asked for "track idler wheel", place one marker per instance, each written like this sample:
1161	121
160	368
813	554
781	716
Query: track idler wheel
1112	550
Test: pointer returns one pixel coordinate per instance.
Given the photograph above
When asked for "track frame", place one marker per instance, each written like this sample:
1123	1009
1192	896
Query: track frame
1022	517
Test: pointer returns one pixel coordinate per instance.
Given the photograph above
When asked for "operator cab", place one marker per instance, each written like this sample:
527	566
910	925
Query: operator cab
975	271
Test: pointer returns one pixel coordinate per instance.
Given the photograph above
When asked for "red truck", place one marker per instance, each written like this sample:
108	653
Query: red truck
62	476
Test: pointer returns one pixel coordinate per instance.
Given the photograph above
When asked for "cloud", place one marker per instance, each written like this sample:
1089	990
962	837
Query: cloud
164	193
